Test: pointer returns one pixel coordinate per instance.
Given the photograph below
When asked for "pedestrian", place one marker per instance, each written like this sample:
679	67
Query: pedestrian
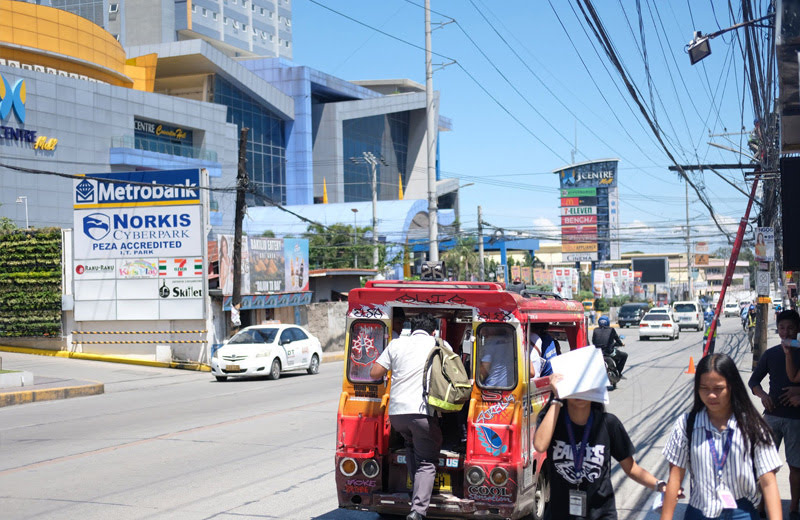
580	474
606	339
713	338
408	414
727	448
779	412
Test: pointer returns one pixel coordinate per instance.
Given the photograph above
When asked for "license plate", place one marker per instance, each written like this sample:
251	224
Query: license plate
440	484
232	368
686	319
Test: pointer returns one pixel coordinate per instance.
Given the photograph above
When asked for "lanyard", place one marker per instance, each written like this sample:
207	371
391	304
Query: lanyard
726	448
577	455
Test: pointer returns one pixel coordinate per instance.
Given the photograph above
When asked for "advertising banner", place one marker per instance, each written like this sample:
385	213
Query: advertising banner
579	192
578	248
269	265
562	282
578	201
579	220
579	210
578	257
597	283
515	272
296	251
765	244
542	276
143	231
589	175
578	230
579	238
527	275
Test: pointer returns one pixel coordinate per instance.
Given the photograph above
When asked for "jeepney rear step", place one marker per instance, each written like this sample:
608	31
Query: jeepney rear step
442	504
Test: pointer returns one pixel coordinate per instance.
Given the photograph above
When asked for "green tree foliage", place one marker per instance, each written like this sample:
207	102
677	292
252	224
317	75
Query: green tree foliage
30	282
332	247
462	259
6	224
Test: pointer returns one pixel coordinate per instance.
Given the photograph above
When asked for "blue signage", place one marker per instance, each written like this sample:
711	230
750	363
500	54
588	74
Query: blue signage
145	188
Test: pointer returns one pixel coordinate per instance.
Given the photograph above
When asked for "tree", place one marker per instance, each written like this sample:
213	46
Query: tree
331	247
6	224
268	233
462	258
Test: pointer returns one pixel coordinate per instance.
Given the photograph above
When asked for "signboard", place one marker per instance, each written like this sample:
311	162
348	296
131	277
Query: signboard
581	210
578	248
578	201
146	188
589	175
579	192
267	273
701	259
269	265
138	231
578	220
578	257
654	270
762	283
577	230
583	237
765	244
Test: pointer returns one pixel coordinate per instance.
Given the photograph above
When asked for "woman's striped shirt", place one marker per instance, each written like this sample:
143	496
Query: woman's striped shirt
737	473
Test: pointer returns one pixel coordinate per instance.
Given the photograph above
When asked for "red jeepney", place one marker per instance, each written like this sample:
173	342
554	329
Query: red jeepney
487	466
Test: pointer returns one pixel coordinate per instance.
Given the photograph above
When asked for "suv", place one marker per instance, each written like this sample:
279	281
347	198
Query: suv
631	314
688	314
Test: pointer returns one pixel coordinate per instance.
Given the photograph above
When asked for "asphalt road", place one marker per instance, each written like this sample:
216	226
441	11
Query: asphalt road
164	443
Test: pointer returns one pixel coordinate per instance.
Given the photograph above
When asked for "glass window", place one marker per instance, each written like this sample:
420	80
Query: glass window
267	335
214	15
367	341
496	356
286	335
298	334
205	12
686	307
246	337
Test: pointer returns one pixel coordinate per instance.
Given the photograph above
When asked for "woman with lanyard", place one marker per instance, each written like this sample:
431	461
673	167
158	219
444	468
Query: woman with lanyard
579	445
730	450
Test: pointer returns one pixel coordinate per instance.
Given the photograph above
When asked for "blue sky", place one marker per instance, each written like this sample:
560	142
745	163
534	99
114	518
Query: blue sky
567	89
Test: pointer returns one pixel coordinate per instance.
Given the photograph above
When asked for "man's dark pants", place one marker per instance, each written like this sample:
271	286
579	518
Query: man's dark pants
423	439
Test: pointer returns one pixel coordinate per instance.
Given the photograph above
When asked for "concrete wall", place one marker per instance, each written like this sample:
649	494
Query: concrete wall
327	321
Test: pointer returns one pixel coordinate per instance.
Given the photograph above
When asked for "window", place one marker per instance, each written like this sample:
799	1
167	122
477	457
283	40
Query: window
205	12
271	14
496	356
225	20
288	22
271	38
244	26
214	16
262	11
194	8
113	8
235	24
244	3
367	341
286	336
286	43
298	334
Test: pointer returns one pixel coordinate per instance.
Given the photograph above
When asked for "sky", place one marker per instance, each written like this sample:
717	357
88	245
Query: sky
532	82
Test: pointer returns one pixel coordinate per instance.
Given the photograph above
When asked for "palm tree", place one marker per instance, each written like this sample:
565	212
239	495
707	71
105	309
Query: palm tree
462	256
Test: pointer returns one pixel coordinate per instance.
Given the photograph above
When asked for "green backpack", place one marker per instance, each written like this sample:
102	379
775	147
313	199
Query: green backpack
450	386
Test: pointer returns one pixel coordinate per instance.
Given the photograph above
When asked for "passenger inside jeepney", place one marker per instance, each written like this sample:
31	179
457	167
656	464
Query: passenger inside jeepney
497	357
399	322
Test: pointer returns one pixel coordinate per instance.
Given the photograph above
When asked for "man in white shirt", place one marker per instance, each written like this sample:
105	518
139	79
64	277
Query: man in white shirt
406	357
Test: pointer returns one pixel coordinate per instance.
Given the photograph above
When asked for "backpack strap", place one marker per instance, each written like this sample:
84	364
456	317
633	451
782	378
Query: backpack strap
690	420
435	351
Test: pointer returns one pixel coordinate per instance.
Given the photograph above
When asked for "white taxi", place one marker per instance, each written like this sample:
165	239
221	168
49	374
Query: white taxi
267	350
658	325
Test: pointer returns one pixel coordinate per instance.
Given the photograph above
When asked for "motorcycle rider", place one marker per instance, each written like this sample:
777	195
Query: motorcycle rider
606	339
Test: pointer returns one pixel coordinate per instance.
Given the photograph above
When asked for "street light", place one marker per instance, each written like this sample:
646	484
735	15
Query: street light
355	232
372	160
700	46
20	200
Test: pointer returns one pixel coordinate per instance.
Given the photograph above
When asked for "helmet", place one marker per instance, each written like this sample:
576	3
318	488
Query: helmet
752	307
603	321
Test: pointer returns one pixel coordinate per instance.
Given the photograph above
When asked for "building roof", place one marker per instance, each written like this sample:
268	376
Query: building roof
346	271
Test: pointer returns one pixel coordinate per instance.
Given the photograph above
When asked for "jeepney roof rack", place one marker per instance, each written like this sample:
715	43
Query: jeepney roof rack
404	284
540	294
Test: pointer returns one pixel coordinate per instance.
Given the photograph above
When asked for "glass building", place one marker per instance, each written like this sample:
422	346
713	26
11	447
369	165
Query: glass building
386	136
266	141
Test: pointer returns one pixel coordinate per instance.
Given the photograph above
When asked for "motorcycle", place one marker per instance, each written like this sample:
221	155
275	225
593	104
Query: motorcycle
613	373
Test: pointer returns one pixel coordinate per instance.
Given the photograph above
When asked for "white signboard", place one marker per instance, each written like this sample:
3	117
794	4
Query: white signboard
95	270
579	210
171	288
578	257
134	232
762	283
765	244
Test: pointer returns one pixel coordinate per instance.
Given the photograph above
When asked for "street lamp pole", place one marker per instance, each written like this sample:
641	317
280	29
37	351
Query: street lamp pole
24	199
433	207
371	159
355	228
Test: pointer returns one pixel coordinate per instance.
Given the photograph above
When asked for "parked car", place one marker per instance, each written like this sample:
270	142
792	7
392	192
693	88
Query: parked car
658	325
630	314
688	314
731	310
267	350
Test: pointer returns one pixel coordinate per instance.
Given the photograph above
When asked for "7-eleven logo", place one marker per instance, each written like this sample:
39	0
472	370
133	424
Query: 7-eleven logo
180	266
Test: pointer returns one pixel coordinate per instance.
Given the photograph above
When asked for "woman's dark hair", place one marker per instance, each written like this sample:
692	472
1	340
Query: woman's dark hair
754	428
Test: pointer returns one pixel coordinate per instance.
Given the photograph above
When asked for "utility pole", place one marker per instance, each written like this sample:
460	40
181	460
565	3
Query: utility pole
433	217
688	245
373	162
355	230
241	187
481	269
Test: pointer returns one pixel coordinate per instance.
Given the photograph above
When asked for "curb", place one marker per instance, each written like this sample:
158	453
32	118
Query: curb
50	394
109	359
330	357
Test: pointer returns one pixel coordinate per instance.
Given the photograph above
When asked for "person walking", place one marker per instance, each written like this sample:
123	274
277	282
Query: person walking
580	442
606	339
408	414
727	448
781	410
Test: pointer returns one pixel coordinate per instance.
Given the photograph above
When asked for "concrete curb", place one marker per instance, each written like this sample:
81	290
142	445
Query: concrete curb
50	394
105	358
330	357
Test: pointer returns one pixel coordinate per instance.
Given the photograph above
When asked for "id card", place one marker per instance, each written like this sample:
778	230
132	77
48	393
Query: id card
727	498
577	502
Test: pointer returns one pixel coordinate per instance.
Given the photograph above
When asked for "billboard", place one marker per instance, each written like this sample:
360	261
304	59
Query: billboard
138	246
765	244
654	270
589	199
269	265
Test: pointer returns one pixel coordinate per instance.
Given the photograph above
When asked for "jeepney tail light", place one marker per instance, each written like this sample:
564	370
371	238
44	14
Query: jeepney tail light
498	476
371	468
348	467
475	475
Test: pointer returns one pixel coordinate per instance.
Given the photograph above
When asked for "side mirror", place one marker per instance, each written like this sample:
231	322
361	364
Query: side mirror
286	341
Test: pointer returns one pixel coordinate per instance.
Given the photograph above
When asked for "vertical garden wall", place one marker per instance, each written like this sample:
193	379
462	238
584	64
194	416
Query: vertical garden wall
30	282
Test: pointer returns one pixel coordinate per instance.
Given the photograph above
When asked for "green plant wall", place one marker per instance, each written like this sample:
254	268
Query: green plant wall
30	282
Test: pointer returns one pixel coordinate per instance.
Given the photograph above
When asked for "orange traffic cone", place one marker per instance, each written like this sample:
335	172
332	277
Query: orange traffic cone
690	370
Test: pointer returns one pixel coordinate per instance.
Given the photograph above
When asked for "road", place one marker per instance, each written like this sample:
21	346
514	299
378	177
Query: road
164	443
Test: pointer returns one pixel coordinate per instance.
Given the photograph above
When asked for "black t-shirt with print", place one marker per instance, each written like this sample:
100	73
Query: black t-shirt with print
607	439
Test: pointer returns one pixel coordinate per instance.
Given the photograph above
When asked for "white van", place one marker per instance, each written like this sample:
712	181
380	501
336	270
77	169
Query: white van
688	314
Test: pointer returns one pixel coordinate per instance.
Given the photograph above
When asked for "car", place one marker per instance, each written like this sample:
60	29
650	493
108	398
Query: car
731	310
658	325
661	310
267	350
630	314
688	314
